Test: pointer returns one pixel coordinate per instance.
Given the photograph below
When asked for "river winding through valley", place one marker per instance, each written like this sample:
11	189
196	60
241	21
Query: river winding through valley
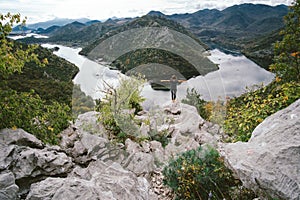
234	75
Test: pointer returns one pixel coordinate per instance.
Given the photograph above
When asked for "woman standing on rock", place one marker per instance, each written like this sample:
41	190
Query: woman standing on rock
173	86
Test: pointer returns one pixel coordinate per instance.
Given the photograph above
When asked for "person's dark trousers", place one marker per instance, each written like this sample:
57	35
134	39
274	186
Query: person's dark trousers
173	94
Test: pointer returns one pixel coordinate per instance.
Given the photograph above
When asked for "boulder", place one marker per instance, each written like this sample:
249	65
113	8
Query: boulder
88	147
158	153
24	160
144	130
98	181
180	144
8	188
140	163
30	163
173	108
270	161
6	158
19	137
137	160
189	120
88	122
68	137
204	137
132	147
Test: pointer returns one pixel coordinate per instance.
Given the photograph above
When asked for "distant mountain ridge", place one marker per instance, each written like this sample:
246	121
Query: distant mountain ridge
56	22
239	20
69	28
234	28
238	28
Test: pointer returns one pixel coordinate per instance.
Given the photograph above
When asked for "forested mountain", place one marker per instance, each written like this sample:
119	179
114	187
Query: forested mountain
152	39
51	82
76	33
252	19
236	28
260	49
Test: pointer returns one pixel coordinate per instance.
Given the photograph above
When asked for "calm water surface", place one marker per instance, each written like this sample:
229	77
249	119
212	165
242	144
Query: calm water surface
234	74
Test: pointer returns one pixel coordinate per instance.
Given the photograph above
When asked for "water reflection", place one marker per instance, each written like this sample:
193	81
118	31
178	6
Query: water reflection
235	73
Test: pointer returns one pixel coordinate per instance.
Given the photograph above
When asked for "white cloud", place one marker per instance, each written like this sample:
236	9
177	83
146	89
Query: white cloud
41	10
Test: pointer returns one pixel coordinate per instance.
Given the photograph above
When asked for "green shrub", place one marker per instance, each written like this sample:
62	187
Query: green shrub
106	117
197	173
162	137
247	111
213	111
14	56
28	111
216	111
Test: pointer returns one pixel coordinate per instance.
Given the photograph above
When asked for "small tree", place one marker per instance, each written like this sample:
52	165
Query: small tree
120	105
287	52
12	55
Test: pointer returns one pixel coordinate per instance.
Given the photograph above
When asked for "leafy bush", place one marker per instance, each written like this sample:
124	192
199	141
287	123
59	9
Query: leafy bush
28	111
162	137
51	82
247	111
197	173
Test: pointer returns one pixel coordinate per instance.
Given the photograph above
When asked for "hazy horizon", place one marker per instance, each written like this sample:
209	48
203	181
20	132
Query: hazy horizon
45	10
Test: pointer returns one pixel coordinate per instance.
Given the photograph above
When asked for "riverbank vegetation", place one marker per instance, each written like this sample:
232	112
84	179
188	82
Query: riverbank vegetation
35	87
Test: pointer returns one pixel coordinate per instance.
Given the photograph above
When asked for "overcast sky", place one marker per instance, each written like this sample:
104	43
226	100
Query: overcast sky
42	10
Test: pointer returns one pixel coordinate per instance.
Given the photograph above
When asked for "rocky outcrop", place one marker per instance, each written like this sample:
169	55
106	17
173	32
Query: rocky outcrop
98	181
86	165
88	122
20	138
8	188
25	160
82	167
270	161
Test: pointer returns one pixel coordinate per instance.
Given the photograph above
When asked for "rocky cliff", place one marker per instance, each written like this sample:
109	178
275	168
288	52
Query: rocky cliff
86	165
270	162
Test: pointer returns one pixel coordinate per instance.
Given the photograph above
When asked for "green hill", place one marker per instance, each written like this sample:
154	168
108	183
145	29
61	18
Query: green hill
74	34
52	82
166	42
234	26
260	49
